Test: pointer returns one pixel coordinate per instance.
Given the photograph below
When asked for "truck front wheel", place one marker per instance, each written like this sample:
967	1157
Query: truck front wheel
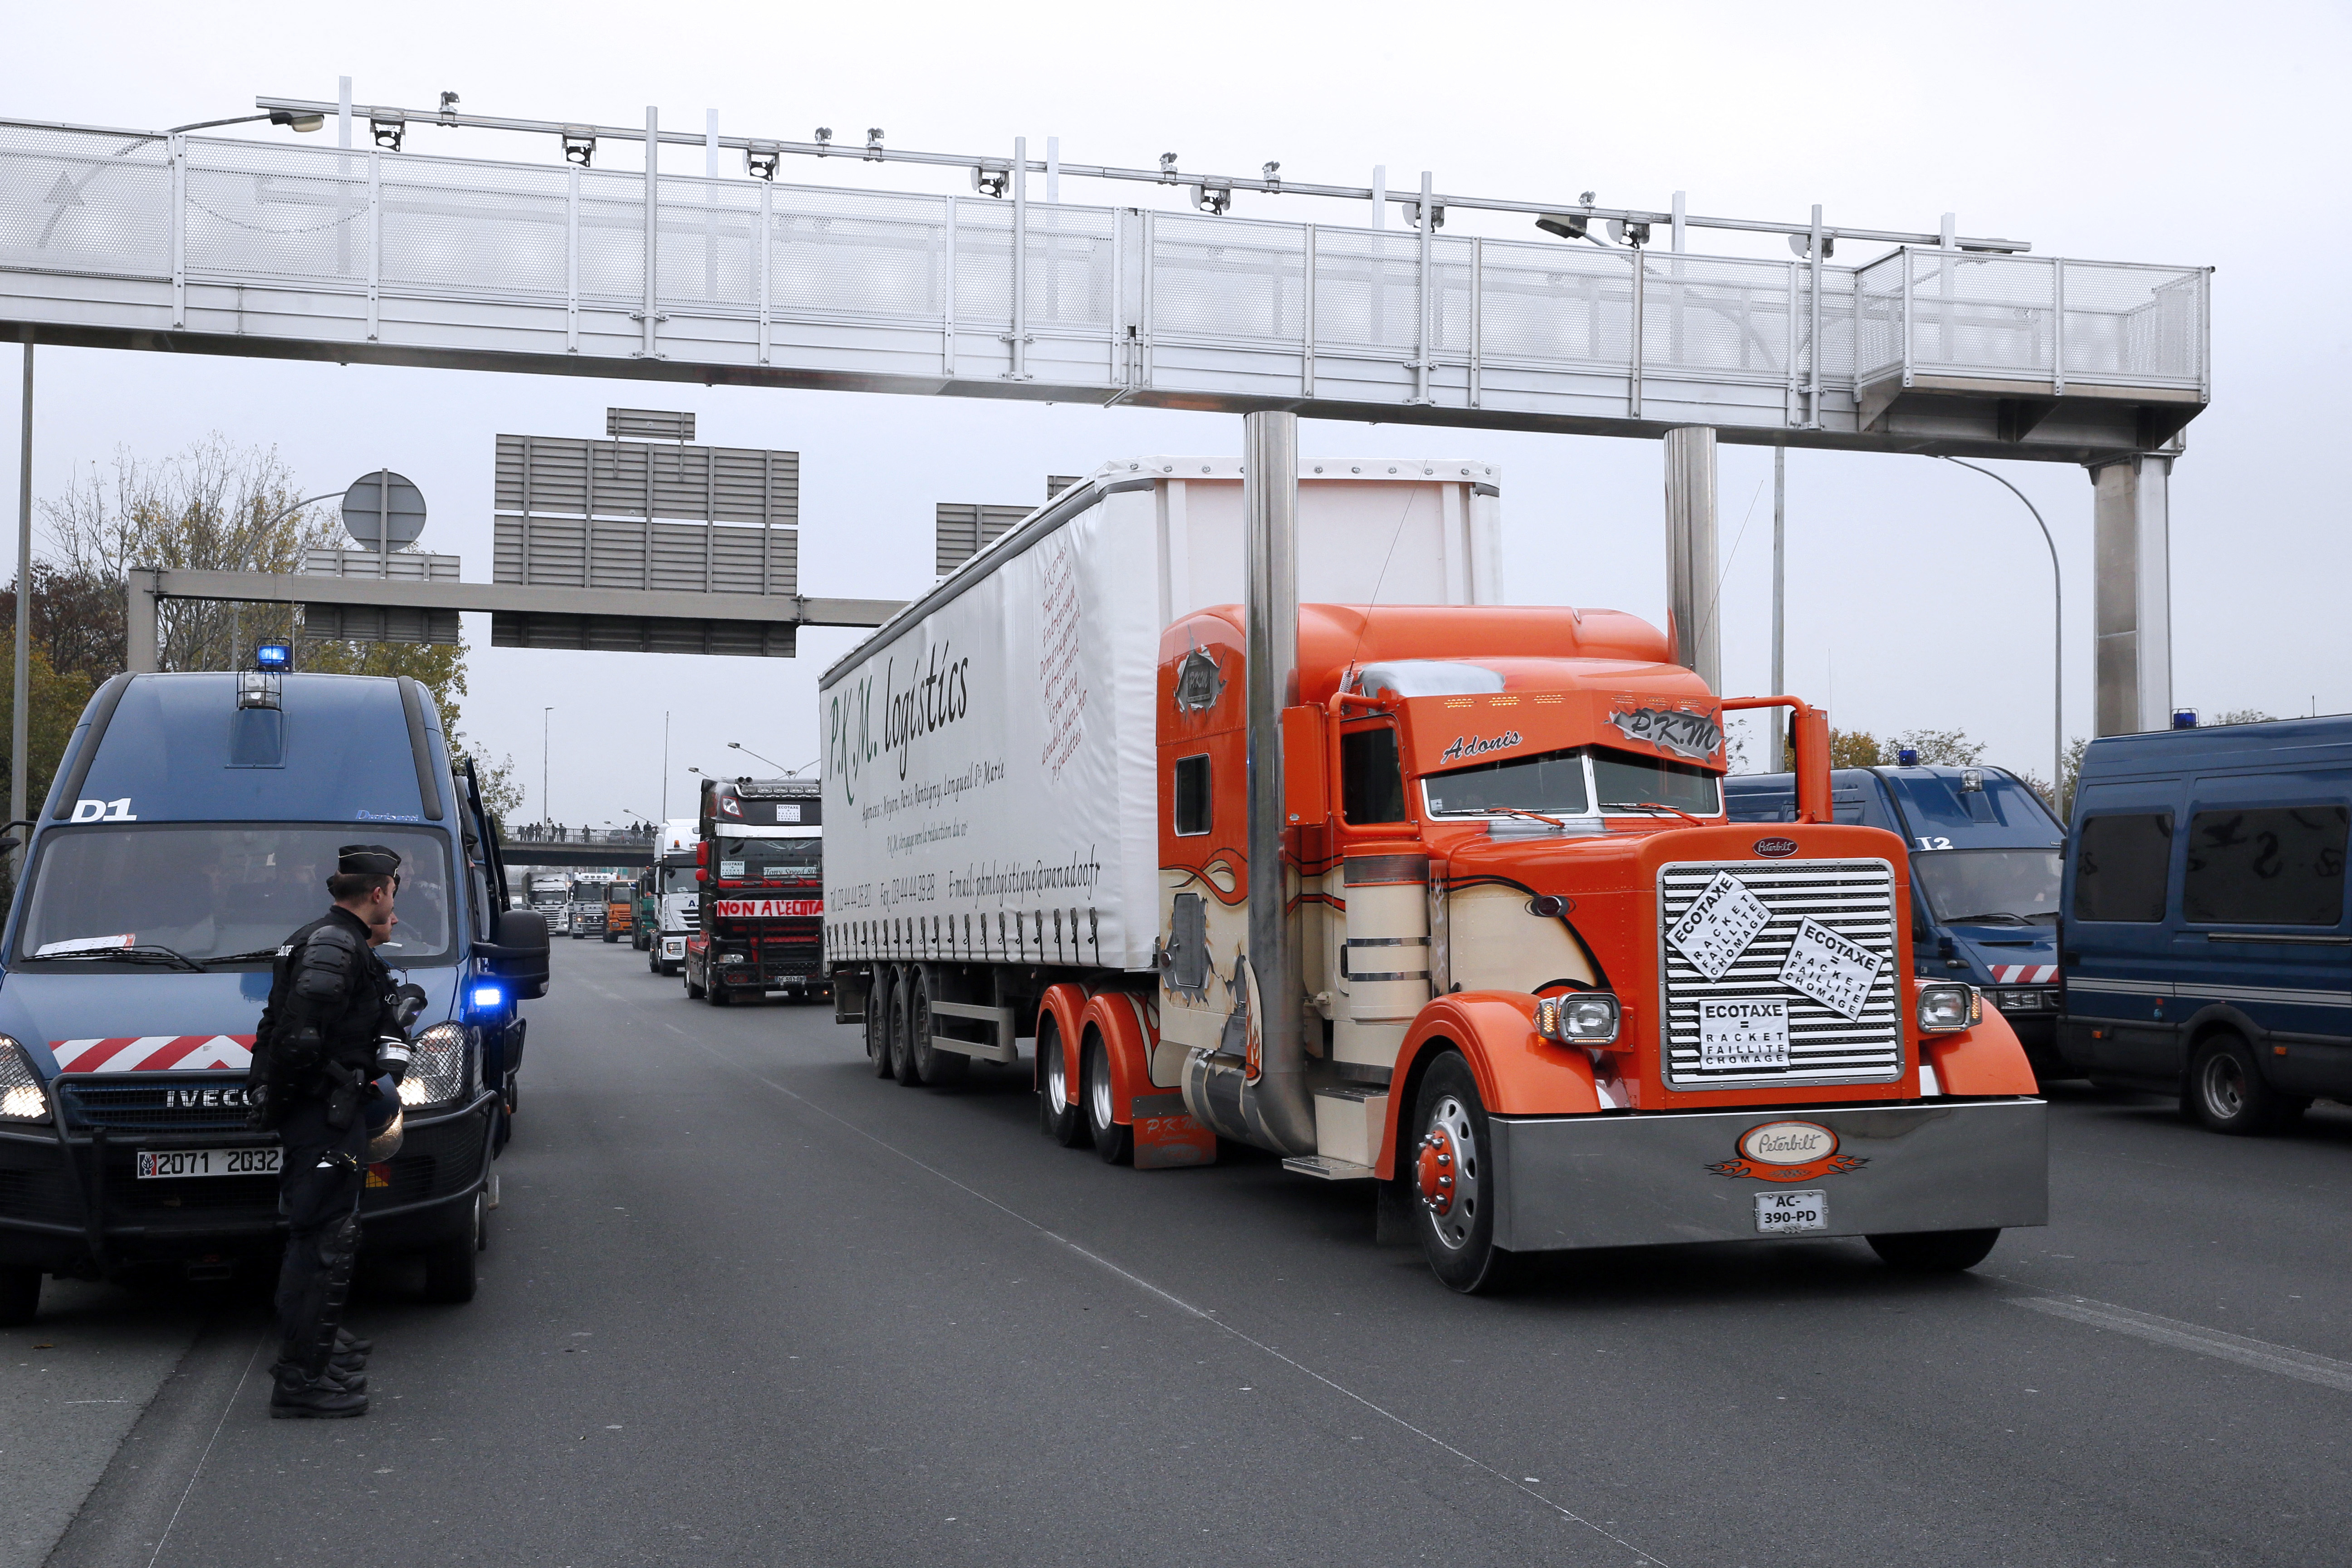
1452	1186
1934	1251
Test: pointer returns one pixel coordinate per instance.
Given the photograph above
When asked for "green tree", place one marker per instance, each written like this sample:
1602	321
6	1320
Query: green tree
1854	749
57	700
211	506
2241	716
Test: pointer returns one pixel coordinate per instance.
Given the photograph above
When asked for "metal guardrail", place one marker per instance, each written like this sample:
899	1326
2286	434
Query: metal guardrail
407	257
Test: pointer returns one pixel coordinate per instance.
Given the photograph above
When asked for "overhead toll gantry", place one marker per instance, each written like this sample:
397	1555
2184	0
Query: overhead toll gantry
1939	343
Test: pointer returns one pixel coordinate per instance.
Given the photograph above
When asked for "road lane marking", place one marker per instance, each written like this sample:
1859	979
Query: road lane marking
1200	1313
226	1405
2261	1354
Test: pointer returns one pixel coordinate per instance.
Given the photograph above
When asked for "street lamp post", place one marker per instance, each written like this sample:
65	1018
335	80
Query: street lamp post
546	812
2058	637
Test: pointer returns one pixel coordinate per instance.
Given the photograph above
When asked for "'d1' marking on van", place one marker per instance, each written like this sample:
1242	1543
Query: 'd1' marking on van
103	810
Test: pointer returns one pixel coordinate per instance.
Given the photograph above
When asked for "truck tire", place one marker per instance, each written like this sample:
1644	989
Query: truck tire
877	1022
902	1061
932	1066
612	936
20	1295
692	989
1114	1143
1934	1251
2225	1090
719	996
1056	1118
653	958
1452	1186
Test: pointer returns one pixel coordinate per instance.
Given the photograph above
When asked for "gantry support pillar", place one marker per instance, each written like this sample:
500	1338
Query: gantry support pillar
1691	562
2131	594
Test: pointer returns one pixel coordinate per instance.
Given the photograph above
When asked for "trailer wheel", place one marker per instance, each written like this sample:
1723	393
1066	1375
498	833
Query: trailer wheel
877	1022
932	1066
2226	1092
1056	1118
902	1042
1114	1143
1454	1187
20	1295
1934	1251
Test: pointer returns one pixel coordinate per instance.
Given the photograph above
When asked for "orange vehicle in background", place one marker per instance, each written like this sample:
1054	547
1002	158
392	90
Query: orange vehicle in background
620	911
1438	898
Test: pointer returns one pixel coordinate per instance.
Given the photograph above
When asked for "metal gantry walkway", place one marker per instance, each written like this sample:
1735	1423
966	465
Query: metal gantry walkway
191	243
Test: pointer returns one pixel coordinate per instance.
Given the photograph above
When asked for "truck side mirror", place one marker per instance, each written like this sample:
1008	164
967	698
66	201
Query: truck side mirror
1305	768
702	853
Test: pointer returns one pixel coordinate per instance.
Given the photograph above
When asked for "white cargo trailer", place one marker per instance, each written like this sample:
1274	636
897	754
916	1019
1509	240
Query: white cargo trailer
989	762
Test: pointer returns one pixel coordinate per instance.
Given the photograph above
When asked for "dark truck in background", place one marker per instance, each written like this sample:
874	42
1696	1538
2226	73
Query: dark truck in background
760	926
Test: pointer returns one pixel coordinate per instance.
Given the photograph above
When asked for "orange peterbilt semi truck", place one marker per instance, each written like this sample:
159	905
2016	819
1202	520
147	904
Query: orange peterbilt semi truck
1436	896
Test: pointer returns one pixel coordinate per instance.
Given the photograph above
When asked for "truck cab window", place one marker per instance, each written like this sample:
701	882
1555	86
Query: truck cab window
1193	809
2275	866
2120	865
1371	780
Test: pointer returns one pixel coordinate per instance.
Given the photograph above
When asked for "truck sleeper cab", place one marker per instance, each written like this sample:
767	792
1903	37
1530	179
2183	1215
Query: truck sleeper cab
2206	942
191	830
1986	859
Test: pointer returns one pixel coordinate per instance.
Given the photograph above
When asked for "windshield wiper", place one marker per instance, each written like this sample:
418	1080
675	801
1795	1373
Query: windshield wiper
1990	918
1650	806
258	953
145	953
1517	811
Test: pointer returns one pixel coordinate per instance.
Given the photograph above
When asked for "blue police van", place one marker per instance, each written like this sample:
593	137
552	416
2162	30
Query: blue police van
2206	947
190	829
1986	860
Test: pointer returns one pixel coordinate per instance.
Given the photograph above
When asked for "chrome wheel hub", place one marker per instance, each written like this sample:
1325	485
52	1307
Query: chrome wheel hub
1445	1171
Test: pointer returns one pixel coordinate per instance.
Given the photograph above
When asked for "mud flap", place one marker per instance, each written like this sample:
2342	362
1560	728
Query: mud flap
1167	1137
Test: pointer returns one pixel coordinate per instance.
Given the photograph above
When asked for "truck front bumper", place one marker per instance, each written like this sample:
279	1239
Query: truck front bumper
1644	1180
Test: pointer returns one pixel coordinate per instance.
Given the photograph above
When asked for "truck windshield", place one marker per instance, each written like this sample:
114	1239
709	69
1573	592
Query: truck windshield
1995	887
206	890
1566	784
770	858
677	879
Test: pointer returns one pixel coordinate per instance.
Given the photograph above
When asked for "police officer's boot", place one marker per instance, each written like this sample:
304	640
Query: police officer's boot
298	1394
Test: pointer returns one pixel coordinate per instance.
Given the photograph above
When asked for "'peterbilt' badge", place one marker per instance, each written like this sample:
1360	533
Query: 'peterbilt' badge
1694	735
1773	848
1789	1152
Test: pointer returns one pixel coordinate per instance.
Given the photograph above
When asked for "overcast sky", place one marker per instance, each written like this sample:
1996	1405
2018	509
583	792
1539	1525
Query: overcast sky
1920	594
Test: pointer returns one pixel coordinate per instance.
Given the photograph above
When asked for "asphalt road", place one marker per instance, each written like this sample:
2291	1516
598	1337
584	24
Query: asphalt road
745	1303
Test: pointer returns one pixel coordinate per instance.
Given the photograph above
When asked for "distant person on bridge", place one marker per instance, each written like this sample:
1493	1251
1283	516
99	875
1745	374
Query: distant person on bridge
327	1059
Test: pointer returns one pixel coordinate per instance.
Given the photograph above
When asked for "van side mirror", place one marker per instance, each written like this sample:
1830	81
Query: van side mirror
517	951
1306	767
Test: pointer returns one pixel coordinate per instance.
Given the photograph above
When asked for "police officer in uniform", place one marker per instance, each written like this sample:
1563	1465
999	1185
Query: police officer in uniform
326	1056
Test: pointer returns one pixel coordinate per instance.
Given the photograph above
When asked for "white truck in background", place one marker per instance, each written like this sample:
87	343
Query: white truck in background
678	896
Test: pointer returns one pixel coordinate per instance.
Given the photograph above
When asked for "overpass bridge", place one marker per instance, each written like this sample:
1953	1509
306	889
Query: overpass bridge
1940	343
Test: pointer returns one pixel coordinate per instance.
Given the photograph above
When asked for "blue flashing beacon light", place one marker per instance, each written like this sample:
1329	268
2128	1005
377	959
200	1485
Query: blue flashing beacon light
1907	757
2184	718
487	997
273	655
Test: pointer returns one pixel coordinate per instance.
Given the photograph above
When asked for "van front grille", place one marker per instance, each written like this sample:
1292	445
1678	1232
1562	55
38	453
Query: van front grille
1854	899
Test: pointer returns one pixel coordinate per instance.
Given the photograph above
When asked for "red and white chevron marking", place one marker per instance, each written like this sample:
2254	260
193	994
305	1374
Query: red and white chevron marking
156	1053
2024	974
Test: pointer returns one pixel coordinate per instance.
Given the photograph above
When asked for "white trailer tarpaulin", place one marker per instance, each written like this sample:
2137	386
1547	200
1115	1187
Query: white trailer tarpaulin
993	758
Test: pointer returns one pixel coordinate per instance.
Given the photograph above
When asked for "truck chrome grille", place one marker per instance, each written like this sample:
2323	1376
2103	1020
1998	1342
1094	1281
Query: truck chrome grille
1855	899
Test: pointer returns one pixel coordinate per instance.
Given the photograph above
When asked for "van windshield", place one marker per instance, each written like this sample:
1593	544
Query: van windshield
206	890
1995	887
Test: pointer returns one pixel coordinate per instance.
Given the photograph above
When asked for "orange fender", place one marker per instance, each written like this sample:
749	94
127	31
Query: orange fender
1126	1043
1982	1059
1067	1005
1518	1072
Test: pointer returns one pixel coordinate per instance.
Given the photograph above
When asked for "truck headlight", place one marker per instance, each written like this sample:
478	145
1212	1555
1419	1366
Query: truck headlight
1943	1008
1585	1019
22	1097
440	1065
